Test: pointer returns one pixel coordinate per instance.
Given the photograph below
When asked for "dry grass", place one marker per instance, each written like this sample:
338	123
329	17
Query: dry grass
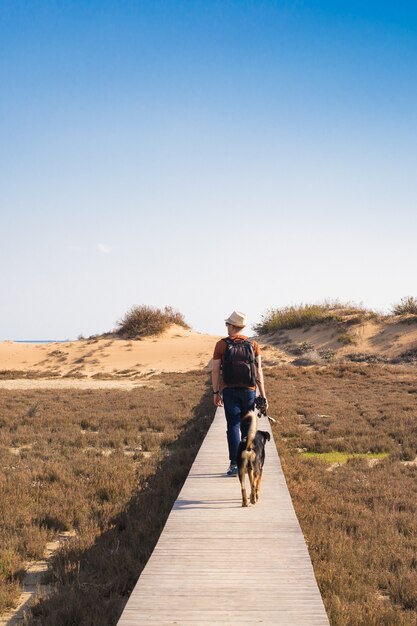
29	374
107	464
407	306
359	520
309	314
144	320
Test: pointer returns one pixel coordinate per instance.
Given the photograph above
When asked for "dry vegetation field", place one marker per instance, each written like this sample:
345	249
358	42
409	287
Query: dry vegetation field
108	464
105	464
359	517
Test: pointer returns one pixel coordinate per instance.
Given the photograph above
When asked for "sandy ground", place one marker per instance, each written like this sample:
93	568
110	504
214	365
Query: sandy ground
18	384
176	350
102	363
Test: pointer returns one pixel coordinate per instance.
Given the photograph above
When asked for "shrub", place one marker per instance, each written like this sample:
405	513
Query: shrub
408	305
144	320
408	356
112	496
307	314
346	339
359	517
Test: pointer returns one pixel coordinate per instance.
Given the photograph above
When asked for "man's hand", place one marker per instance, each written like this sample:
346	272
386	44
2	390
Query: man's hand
261	403
217	399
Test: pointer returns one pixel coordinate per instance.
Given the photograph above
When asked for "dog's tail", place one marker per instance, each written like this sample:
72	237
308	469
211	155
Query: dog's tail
253	427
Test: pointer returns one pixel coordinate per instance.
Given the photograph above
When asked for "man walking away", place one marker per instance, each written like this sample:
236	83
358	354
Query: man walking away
239	361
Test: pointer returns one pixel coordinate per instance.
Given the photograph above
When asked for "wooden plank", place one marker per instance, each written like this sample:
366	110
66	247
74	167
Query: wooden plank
219	563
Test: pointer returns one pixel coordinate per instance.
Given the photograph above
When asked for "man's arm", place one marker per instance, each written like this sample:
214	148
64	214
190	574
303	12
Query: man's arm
215	379
260	378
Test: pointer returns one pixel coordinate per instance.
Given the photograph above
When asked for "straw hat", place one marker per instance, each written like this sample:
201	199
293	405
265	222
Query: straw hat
237	318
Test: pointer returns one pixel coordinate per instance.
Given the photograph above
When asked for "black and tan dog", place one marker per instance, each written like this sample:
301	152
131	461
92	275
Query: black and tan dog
251	457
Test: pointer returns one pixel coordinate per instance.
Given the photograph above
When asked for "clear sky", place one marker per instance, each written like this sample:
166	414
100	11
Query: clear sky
210	155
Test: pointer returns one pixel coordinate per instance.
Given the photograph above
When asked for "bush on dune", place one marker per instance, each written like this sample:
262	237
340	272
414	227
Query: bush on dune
144	320
307	314
408	305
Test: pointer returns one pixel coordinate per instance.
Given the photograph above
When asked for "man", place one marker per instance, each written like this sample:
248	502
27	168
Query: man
239	360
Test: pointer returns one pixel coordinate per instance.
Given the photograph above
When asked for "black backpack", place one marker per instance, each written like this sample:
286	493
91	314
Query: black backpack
238	367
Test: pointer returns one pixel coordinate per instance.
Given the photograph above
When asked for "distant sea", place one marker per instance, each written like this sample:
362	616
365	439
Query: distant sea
40	340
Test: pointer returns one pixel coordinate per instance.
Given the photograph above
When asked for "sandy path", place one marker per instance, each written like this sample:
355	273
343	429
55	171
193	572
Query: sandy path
32	583
20	384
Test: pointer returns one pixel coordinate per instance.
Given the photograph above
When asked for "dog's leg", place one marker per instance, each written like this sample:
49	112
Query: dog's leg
252	484
242	474
258	484
255	487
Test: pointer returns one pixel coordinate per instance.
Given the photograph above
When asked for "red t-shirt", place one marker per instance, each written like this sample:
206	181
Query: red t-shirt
220	349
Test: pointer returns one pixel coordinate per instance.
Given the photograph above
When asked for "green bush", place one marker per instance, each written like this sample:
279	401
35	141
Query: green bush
144	320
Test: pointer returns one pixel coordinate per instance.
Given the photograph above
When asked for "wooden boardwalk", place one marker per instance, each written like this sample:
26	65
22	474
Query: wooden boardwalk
219	563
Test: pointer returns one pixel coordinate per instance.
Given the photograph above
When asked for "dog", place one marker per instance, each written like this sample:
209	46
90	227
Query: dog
251	458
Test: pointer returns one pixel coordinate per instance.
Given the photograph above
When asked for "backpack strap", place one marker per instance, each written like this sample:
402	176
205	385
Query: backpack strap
231	341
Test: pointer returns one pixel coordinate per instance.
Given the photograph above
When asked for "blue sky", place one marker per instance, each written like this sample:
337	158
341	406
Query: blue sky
208	155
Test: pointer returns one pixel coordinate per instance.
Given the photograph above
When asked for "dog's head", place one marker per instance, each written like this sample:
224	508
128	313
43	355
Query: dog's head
265	435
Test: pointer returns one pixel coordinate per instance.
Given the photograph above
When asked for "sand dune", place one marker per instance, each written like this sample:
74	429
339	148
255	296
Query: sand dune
109	362
176	350
388	338
117	363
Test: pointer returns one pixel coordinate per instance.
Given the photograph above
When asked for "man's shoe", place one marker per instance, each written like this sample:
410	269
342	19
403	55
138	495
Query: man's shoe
232	471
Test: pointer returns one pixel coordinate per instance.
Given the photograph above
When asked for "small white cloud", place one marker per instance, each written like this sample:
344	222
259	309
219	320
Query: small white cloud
103	248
